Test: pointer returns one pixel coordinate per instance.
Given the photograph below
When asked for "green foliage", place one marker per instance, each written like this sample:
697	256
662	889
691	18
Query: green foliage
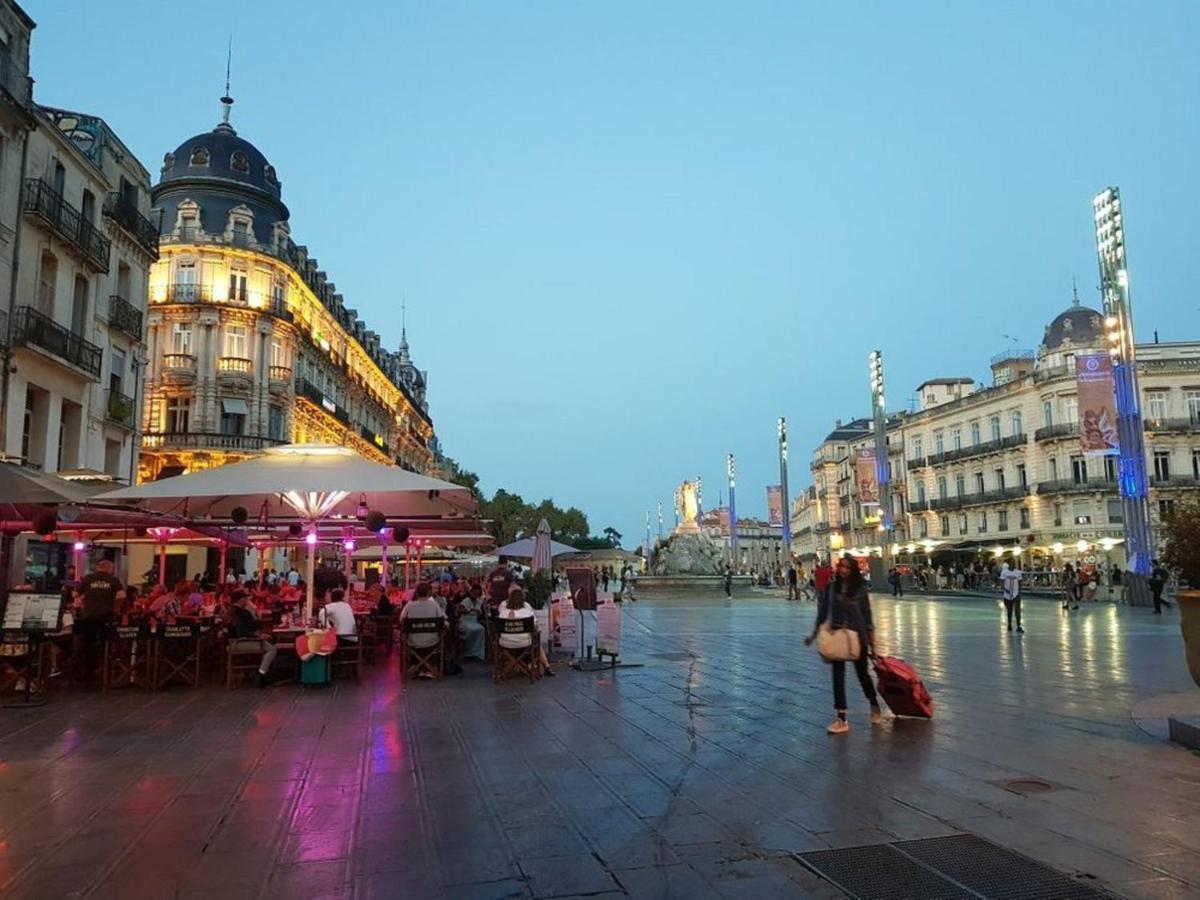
1181	540
538	588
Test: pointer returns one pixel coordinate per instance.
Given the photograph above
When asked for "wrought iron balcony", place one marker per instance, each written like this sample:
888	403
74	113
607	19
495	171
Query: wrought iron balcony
184	293
1179	426
983	449
917	462
1071	486
1175	481
194	440
118	409
125	214
372	437
46	204
312	393
1053	432
123	316
31	328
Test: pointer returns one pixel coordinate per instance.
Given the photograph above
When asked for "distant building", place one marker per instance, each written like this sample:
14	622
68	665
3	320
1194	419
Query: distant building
760	544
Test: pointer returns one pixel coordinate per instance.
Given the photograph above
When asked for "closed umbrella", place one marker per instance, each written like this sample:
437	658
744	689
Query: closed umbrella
541	548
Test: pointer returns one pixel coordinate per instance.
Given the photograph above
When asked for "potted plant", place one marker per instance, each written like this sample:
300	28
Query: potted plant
538	588
1181	552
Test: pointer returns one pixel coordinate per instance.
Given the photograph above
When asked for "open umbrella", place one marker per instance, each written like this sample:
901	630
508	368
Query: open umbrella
523	549
311	482
541	548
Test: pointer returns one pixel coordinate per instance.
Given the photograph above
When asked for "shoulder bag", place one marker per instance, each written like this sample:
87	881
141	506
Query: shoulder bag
838	644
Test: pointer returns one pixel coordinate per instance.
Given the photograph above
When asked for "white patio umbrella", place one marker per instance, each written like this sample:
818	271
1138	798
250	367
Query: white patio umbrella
312	482
541	548
523	549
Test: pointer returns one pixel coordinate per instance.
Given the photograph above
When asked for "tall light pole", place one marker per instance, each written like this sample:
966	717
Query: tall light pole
882	476
1118	327
648	535
783	488
660	521
733	535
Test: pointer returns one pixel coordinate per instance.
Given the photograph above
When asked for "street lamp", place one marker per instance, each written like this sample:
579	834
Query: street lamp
882	476
1118	329
733	535
786	529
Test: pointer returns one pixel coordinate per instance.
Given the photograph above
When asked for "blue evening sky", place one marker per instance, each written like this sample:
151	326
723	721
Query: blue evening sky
633	234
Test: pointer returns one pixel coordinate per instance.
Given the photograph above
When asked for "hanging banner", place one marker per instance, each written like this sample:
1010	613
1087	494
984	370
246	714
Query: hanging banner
1097	405
608	628
774	505
866	476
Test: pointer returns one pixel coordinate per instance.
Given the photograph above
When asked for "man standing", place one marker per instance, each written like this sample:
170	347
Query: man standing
728	580
100	591
1010	578
822	576
499	582
792	582
1158	581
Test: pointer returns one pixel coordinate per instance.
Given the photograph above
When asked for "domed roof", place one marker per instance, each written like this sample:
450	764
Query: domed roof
1078	326
220	154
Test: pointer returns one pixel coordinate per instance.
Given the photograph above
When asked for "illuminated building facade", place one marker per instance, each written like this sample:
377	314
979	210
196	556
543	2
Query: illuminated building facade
249	343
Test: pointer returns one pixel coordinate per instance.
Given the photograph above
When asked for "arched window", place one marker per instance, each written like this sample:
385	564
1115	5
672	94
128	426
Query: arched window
239	163
199	156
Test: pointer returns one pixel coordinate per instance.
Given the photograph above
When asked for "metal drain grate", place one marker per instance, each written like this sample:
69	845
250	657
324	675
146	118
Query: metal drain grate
995	872
878	872
946	868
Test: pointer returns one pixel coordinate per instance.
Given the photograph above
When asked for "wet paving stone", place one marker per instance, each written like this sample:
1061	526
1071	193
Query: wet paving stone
698	774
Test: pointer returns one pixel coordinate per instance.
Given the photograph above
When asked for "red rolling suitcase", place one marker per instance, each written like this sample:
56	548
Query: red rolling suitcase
902	689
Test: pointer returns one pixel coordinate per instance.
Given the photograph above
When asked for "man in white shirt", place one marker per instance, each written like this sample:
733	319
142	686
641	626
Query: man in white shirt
1010	577
293	577
339	615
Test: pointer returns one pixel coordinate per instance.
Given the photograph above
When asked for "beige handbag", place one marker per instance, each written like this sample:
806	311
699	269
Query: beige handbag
838	644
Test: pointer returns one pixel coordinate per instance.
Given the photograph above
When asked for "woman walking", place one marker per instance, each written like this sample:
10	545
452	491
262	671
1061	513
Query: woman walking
847	605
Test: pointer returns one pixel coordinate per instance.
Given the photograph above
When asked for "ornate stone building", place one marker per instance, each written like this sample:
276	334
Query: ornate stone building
250	343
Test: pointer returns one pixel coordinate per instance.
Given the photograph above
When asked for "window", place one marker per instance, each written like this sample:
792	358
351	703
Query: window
983	525
1079	470
116	370
1072	407
1002	520
1081	512
1165	508
277	357
1047	413
237	286
1196	464
1110	469
939	442
233	416
47	283
79	305
1156	405
956	437
920	491
962	523
1017	427
1058	511
999	473
941	483
185	282
88	208
177	415
1192	398
1115	512
978	482
960	485
1021	475
235	341
278	296
275	423
918	447
975	441
181	337
922	527
945	526
1024	516
1162	465
994	424
1053	468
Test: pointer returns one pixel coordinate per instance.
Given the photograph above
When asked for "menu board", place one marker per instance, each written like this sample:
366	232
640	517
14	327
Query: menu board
568	634
32	612
583	587
608	626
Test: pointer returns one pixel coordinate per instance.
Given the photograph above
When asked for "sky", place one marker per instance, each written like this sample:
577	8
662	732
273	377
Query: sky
631	235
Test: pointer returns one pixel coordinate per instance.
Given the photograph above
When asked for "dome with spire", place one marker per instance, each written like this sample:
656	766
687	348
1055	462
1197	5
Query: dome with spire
221	155
1077	326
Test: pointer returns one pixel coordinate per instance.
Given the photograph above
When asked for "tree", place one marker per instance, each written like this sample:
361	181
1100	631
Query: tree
613	536
1181	541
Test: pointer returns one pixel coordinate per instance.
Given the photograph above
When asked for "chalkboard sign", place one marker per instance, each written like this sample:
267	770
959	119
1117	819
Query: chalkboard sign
27	611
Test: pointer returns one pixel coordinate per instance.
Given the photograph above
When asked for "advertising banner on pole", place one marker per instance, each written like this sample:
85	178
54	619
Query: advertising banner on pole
866	476
774	504
1097	404
608	627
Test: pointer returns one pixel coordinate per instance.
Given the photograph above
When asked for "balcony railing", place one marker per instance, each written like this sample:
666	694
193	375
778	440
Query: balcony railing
1053	432
279	373
193	440
1071	486
1171	425
179	361
125	214
184	293
124	316
1175	481
994	446
236	364
917	462
118	409
44	203
314	394
31	328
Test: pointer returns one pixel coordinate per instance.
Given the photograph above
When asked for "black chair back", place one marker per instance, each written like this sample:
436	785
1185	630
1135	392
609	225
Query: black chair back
424	626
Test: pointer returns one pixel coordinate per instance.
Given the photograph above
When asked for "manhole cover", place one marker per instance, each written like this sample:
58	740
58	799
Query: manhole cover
1027	786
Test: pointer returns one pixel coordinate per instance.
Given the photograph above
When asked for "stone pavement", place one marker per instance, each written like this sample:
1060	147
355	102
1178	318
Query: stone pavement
694	776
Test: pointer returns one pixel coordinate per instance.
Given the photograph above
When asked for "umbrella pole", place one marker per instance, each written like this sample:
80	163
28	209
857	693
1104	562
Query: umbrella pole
162	563
308	582
420	551
407	560
221	579
383	562
262	562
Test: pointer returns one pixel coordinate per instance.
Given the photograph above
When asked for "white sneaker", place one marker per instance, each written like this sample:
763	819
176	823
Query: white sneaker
839	726
877	717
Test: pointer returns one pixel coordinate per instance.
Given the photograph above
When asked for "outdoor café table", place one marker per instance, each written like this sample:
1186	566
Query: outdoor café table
126	655
175	648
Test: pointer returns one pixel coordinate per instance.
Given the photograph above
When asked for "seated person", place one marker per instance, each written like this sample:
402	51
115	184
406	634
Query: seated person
247	634
193	604
339	615
515	607
170	603
422	606
470	628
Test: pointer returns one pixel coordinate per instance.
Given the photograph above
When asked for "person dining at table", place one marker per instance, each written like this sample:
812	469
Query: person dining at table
515	607
247	634
470	625
422	606
339	615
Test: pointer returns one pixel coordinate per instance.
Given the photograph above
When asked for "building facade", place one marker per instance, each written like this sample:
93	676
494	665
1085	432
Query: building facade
250	343
79	246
